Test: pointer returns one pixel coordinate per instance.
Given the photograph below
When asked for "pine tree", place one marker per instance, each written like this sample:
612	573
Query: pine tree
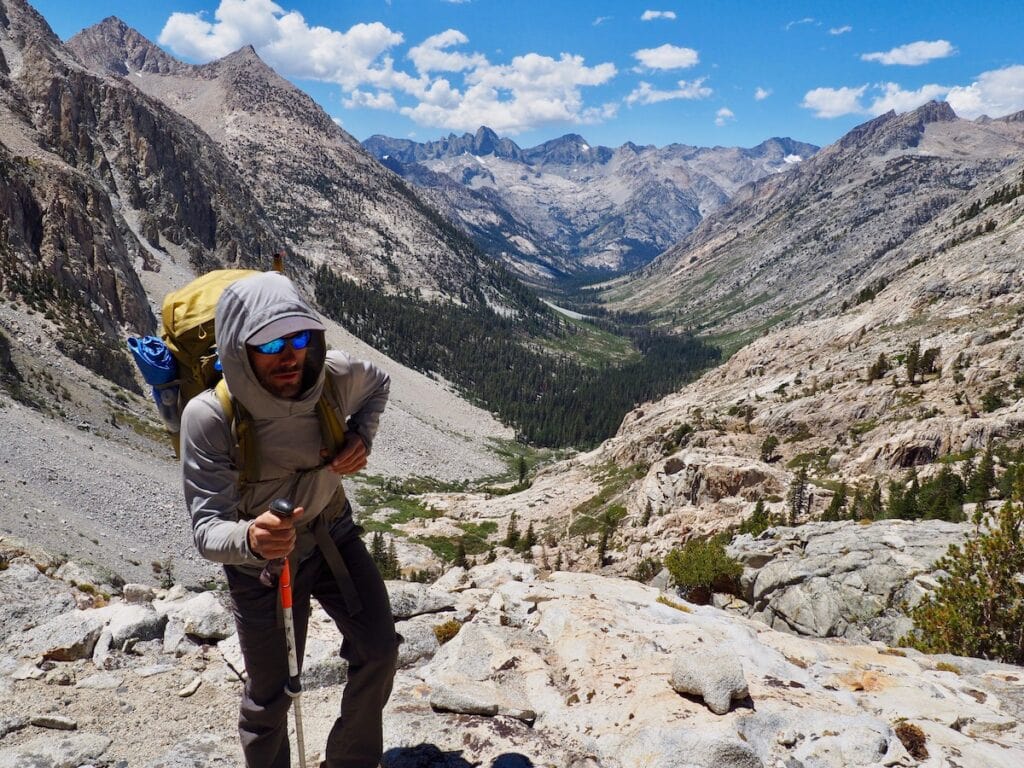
978	608
758	522
521	468
982	479
460	556
511	533
837	505
913	360
797	499
874	509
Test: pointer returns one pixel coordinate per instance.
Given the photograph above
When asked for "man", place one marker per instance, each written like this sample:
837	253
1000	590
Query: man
272	350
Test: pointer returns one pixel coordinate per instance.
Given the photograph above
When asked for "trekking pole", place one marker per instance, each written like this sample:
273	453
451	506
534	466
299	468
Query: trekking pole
284	509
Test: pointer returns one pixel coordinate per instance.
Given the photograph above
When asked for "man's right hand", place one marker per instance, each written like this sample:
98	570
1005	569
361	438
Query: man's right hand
271	537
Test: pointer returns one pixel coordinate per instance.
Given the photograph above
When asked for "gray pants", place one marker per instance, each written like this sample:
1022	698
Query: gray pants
370	646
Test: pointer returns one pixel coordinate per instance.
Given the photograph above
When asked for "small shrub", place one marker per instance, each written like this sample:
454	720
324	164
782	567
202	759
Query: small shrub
446	631
913	740
768	447
645	570
702	567
945	666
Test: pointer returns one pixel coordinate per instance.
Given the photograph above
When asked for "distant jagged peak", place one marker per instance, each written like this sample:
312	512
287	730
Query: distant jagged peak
897	131
113	47
570	149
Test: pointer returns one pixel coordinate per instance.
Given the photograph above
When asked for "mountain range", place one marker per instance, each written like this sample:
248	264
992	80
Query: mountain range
888	195
565	207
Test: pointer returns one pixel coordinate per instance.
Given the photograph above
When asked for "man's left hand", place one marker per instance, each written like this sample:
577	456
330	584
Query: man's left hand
351	458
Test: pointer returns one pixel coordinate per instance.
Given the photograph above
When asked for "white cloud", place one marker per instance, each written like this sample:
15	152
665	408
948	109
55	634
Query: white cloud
840	30
762	93
913	54
834	102
644	93
724	116
667	57
652	15
533	90
792	159
381	100
995	93
601	20
895	98
447	88
800	22
431	55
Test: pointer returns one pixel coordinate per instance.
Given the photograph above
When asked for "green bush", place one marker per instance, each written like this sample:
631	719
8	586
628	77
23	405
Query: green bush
978	608
702	567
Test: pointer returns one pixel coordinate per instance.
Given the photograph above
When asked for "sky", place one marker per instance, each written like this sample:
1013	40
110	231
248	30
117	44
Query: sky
716	72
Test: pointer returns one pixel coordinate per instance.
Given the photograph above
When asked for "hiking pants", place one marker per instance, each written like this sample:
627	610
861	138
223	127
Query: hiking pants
370	646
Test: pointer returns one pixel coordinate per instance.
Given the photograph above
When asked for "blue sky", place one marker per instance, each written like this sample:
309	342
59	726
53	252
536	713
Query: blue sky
703	73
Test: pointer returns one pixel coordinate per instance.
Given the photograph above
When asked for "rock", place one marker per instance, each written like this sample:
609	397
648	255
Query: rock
29	598
419	640
134	621
55	722
67	637
675	748
467	699
138	593
12	723
28	672
191	688
499	572
841	579
203	616
52	751
410	599
716	677
82	574
102	681
198	752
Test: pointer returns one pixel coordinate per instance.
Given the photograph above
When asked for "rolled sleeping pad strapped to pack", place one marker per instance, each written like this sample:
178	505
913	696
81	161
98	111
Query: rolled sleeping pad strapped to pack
160	370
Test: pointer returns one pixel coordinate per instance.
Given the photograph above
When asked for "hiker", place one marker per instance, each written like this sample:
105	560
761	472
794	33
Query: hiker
272	350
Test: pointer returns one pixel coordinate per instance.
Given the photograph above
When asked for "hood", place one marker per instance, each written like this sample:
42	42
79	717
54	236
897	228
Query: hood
246	306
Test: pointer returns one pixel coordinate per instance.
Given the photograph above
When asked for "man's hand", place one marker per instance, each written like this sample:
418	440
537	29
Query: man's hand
352	456
271	536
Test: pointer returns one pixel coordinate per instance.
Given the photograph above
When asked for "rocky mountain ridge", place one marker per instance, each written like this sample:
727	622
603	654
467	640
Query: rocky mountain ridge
327	198
565	206
797	245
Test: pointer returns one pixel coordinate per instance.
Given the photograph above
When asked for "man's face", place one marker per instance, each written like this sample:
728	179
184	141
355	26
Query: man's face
280	374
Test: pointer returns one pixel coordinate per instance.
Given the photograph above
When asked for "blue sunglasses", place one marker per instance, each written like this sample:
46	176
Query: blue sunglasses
298	340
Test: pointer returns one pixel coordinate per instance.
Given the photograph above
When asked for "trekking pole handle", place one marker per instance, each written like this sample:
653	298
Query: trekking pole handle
282	508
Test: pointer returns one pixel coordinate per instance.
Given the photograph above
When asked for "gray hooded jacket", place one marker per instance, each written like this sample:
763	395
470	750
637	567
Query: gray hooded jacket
287	431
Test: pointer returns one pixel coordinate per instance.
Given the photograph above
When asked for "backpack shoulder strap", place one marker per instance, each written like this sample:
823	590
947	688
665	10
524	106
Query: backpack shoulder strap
241	428
331	429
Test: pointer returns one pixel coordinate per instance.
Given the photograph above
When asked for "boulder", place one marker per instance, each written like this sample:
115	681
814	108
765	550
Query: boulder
410	599
53	750
28	598
841	579
715	677
68	637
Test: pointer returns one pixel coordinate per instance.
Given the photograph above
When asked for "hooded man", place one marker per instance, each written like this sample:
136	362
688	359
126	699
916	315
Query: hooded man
276	365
